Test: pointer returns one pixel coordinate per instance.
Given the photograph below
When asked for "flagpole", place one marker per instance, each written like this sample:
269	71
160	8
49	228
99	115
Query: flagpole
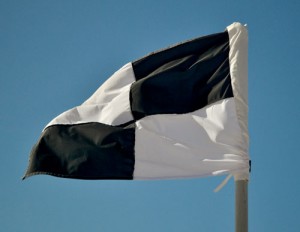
241	206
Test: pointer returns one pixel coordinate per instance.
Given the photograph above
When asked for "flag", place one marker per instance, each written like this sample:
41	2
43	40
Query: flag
180	112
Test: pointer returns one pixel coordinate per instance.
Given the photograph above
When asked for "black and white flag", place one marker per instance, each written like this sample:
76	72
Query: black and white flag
180	112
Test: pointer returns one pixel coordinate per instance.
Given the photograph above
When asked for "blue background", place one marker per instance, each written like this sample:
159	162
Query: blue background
55	54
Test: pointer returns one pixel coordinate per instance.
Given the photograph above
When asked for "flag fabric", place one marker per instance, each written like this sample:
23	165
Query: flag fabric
180	112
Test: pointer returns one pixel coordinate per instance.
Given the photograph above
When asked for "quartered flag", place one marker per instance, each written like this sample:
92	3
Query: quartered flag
180	112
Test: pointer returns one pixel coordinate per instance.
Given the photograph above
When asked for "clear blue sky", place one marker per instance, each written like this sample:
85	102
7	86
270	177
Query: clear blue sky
54	54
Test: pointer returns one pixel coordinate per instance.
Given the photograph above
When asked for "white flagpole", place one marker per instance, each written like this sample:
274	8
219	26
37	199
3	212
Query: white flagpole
241	206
